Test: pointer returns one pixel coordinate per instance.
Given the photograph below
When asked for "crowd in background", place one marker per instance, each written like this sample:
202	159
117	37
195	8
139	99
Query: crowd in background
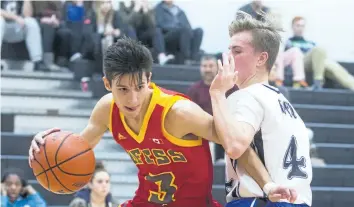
57	33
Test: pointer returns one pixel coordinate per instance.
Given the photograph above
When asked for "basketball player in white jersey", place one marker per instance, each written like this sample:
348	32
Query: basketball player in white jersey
260	116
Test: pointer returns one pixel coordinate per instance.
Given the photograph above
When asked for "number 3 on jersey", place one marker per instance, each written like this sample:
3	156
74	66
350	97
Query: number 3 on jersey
290	159
166	187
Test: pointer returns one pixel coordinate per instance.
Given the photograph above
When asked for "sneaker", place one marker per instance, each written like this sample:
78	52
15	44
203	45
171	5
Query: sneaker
317	85
40	66
163	59
300	84
279	83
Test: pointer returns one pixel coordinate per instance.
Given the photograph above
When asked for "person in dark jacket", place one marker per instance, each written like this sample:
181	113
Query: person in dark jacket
139	15
256	9
178	33
80	38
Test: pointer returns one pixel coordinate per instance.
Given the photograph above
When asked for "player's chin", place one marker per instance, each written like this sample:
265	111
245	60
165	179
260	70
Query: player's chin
131	111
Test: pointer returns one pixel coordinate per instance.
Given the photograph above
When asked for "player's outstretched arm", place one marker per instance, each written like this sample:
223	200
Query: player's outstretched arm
93	132
99	121
191	120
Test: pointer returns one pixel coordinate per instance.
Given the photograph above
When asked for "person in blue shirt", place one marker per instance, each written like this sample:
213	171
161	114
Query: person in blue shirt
16	193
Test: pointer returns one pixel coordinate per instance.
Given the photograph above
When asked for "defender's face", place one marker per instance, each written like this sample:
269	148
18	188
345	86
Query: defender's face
299	27
244	55
128	94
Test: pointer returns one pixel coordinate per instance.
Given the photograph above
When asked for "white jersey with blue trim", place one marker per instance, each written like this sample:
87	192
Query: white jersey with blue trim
281	142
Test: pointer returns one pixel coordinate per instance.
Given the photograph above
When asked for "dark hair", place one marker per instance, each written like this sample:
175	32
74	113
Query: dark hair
208	57
14	171
98	168
127	56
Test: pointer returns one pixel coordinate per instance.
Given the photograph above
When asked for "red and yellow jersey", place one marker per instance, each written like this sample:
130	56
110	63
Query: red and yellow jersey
171	171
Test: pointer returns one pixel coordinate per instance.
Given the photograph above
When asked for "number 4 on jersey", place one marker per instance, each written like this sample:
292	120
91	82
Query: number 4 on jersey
290	159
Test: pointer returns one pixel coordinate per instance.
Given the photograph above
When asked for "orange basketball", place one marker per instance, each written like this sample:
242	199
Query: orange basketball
64	164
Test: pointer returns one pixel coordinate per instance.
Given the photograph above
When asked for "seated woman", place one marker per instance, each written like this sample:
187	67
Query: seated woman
16	192
294	58
109	24
97	193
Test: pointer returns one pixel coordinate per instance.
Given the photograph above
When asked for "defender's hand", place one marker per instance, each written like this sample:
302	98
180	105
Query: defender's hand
276	193
38	140
226	77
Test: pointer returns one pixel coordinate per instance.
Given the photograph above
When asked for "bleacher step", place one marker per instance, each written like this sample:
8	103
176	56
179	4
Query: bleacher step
335	97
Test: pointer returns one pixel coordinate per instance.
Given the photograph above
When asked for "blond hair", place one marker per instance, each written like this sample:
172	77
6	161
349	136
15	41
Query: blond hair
265	34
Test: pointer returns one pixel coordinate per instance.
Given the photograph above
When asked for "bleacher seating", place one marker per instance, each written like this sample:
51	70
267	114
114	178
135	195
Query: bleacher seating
37	101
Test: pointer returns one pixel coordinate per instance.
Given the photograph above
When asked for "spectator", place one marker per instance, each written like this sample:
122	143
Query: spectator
256	9
48	14
178	33
15	192
109	23
98	191
80	39
17	24
294	58
316	59
139	15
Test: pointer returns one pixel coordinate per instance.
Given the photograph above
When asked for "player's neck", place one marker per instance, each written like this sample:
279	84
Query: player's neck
257	78
97	200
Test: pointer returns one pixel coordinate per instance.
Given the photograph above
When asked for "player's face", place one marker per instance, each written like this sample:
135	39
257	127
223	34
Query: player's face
129	94
208	70
13	186
101	184
244	55
299	27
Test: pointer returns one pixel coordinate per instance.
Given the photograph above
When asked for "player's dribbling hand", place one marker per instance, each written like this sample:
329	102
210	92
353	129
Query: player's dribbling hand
37	140
226	77
279	193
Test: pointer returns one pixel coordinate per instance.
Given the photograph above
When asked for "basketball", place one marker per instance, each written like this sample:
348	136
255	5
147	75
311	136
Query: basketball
64	164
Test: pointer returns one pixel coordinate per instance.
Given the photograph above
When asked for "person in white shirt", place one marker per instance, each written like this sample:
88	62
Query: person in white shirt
260	116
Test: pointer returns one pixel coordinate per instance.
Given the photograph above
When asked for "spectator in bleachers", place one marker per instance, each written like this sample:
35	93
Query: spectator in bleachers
48	15
15	192
110	25
294	58
97	194
256	9
178	33
17	24
139	15
316	58
81	40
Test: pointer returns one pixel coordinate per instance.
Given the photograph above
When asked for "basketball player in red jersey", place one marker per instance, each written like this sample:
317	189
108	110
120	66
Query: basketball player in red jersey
161	131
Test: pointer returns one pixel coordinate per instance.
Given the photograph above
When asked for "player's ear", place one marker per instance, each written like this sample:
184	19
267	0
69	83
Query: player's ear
107	84
149	77
262	59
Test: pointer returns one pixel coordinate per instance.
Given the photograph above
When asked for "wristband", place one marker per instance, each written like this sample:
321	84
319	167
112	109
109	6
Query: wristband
268	187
